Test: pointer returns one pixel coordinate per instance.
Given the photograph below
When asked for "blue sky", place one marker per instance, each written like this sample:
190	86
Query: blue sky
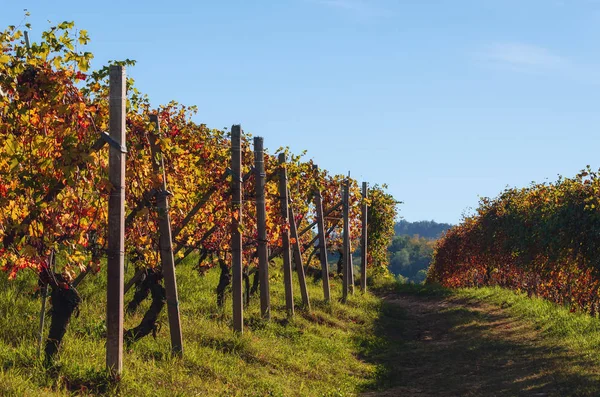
443	100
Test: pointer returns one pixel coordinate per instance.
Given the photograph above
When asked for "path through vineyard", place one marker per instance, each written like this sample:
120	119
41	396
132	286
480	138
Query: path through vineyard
455	347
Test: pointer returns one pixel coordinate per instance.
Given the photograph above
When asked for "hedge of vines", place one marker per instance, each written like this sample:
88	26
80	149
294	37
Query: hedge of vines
543	239
54	186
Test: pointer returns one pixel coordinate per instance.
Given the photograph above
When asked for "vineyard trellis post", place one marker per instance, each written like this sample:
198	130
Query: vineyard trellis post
363	238
322	241
116	223
350	266
166	245
285	236
298	260
346	241
236	222
261	221
350	261
44	293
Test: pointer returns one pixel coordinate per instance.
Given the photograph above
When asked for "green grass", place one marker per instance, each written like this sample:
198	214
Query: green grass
327	352
334	350
576	331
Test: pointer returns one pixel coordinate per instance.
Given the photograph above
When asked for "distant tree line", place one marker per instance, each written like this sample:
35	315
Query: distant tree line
412	248
427	229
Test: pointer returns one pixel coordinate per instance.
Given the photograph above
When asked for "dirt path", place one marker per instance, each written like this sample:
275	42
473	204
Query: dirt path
451	347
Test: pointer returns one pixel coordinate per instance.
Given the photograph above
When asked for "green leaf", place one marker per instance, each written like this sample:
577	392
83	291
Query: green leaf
83	37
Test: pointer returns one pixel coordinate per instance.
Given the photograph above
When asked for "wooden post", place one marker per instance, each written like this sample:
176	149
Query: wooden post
363	238
298	260
166	245
350	265
285	238
346	243
116	224
261	222
43	310
236	221
42	320
26	34
350	261
322	240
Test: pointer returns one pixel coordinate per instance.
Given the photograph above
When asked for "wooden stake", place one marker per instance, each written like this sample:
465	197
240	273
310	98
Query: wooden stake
322	241
166	245
43	310
350	261
116	224
346	243
26	34
261	221
363	238
298	260
285	238
350	265
236	222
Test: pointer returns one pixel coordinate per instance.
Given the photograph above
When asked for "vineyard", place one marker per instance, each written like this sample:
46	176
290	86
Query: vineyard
95	179
542	240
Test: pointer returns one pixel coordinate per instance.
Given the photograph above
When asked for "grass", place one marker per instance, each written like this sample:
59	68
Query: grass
411	338
326	352
575	331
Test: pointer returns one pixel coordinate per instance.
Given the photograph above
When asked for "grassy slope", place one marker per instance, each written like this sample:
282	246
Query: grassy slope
577	332
573	330
566	343
326	352
435	337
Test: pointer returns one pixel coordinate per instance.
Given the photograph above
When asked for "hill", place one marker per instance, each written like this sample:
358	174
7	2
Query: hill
427	229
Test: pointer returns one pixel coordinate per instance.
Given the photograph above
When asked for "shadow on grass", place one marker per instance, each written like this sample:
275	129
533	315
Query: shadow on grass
90	382
424	344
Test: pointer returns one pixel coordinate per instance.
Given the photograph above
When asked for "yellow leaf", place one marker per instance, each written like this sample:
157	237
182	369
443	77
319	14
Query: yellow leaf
4	59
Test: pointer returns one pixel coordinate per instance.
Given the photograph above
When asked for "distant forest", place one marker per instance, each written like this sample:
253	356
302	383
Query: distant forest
412	247
427	229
